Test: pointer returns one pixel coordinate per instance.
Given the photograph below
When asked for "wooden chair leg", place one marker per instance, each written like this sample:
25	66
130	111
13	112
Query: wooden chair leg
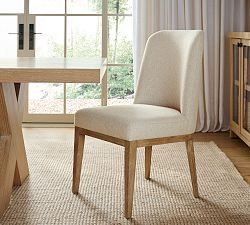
148	155
130	165
78	155
192	167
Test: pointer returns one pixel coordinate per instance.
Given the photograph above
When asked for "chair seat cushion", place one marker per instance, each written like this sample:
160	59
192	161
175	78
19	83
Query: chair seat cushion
133	122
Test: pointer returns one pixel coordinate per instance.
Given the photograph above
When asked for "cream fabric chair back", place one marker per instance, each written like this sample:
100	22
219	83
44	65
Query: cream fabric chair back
170	73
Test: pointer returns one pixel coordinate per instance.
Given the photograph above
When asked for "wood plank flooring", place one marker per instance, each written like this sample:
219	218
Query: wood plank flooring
235	149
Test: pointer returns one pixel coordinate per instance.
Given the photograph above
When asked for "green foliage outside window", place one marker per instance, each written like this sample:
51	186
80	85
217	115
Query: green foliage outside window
120	79
120	85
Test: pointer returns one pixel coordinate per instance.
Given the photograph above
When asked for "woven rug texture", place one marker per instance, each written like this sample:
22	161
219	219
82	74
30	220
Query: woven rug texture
46	197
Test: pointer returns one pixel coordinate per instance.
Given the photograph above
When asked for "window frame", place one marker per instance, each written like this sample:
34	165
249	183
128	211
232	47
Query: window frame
64	117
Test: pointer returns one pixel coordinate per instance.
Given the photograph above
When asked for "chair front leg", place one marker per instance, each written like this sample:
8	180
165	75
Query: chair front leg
78	155
148	155
130	165
192	167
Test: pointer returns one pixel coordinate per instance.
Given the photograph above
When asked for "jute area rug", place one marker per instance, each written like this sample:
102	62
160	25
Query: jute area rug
46	197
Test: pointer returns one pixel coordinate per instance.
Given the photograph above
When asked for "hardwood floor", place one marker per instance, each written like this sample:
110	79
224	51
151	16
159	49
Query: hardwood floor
235	149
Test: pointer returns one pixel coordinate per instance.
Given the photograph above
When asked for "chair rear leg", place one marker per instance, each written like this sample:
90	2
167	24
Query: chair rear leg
78	155
192	167
130	165
148	155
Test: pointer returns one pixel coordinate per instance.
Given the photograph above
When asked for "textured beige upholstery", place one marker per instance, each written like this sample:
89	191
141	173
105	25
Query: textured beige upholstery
166	100
133	122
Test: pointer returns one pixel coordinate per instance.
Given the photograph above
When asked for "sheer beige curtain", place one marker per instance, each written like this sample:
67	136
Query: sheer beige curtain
215	18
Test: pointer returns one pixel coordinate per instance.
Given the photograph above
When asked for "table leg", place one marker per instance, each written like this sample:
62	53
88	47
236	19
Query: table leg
104	89
21	170
13	160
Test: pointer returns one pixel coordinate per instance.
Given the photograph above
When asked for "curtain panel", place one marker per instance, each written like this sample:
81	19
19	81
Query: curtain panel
215	18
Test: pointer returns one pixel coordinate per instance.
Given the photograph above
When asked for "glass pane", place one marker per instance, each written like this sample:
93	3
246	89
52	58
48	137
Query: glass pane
12	6
48	98
82	96
84	36
246	104
45	98
84	6
120	6
236	84
51	42
120	39
8	42
47	6
120	85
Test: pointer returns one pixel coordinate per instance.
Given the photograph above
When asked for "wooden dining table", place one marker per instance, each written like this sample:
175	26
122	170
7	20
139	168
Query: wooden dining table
15	74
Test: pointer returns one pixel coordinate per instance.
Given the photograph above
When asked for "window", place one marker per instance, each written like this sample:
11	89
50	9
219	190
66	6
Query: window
120	77
82	28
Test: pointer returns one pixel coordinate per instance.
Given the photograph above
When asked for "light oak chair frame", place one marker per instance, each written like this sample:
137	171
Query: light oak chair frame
130	160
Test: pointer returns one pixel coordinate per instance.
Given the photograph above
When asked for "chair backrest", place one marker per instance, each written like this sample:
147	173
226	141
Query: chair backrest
171	69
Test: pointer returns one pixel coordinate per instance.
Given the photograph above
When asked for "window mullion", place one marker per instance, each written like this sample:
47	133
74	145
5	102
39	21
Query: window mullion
105	28
65	55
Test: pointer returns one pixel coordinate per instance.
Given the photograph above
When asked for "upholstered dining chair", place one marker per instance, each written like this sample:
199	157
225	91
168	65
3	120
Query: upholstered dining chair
164	109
